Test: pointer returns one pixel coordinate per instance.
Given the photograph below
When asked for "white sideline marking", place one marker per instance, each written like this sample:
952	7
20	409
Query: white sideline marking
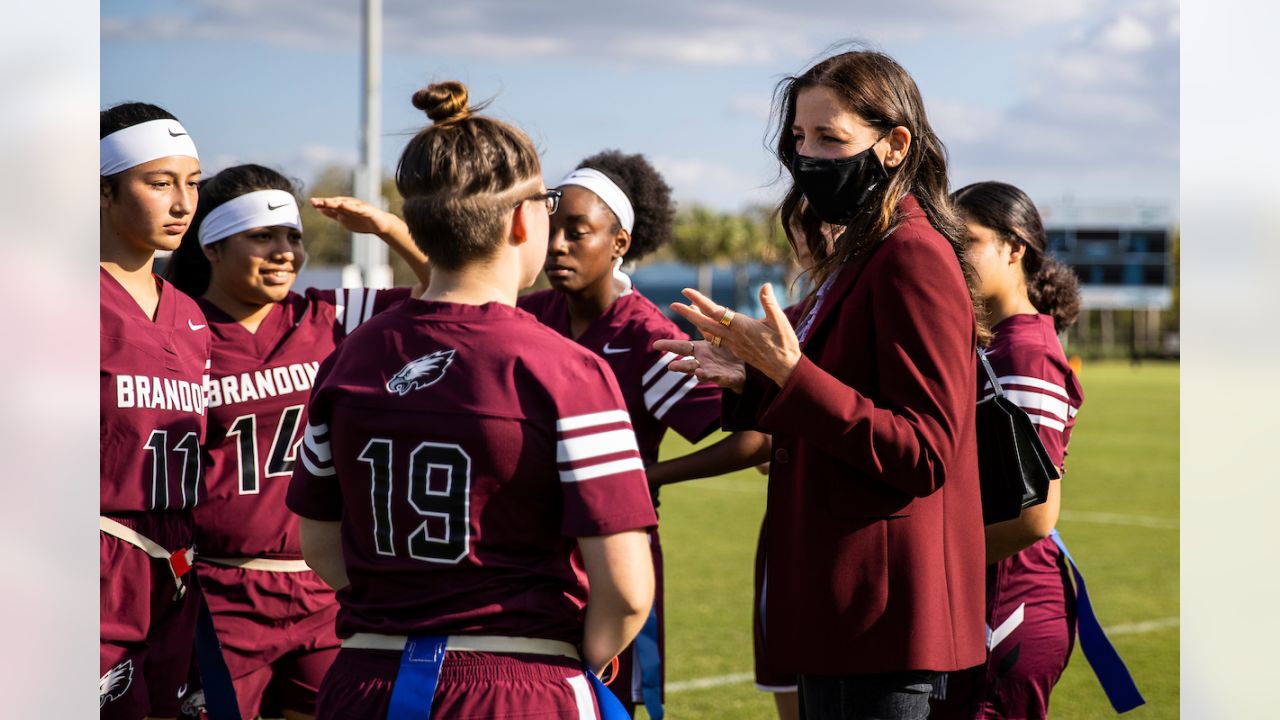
710	682
1144	626
1134	628
1106	518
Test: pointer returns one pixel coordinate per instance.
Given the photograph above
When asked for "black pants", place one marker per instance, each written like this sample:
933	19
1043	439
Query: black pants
887	696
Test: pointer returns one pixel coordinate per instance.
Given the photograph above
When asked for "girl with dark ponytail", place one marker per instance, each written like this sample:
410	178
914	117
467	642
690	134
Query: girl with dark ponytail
1029	299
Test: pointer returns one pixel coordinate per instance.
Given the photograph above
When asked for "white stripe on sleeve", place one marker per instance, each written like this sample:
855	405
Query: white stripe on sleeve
662	363
368	306
339	305
583	696
1031	382
1047	422
356	297
661	388
315	469
591	472
319	448
689	384
1031	400
584	447
577	422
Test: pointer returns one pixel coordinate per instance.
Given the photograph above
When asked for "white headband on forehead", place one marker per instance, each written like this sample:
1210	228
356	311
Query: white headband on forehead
142	143
607	190
261	208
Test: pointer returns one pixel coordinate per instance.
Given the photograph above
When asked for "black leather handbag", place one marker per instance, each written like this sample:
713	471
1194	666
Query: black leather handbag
1013	466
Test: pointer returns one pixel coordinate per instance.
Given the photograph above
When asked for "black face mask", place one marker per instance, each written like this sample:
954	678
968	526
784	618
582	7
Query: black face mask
838	190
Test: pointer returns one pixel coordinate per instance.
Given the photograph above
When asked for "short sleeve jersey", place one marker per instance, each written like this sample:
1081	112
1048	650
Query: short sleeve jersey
1028	360
656	397
464	449
257	392
151	409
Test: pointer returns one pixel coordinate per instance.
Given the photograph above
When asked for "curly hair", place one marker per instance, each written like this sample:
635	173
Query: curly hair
1051	286
649	194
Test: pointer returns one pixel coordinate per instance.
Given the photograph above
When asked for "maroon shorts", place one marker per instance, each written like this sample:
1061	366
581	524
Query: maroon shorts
626	685
768	677
472	685
1034	634
145	636
276	629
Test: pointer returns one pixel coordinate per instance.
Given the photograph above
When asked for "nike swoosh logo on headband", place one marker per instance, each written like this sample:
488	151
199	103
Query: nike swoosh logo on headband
275	207
174	134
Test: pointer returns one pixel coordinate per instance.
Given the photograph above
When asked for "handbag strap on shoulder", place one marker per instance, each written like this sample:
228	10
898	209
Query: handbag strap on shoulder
991	374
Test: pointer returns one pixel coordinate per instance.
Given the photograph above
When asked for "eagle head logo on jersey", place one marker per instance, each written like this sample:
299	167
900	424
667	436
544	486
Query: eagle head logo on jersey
423	372
115	682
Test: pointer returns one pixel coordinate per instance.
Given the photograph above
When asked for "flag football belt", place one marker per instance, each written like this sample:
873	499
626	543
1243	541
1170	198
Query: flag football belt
179	561
468	643
422	655
268	564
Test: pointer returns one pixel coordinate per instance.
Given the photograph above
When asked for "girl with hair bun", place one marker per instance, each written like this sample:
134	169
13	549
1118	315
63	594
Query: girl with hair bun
1029	299
617	208
274	616
469	480
154	354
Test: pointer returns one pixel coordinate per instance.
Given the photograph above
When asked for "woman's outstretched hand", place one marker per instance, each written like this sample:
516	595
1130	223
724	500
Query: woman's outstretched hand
700	359
769	345
359	216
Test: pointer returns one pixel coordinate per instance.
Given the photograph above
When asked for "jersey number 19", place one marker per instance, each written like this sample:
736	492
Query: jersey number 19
438	489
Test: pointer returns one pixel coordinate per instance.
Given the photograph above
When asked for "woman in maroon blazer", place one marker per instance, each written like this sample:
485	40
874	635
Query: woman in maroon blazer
874	582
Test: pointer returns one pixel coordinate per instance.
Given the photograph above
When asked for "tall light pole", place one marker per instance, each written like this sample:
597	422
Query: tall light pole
368	254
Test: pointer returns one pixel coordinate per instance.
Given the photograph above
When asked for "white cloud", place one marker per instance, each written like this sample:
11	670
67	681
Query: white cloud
1127	34
750	32
1098	115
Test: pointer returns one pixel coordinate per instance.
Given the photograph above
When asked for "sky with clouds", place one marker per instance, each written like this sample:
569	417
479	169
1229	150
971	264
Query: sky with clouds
1075	99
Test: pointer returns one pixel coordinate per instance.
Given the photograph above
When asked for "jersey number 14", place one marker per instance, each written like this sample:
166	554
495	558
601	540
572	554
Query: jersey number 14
284	447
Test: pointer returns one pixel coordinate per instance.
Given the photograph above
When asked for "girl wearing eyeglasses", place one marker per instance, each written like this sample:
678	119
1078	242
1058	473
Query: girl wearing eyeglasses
466	473
617	209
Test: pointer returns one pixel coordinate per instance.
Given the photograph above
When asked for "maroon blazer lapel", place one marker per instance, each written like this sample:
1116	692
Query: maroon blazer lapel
909	210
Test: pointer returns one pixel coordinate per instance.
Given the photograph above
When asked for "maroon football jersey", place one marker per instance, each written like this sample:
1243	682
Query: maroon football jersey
656	397
1033	371
257	393
152	406
464	448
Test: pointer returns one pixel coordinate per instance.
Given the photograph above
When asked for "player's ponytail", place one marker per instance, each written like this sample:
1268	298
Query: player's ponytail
188	269
461	177
1051	286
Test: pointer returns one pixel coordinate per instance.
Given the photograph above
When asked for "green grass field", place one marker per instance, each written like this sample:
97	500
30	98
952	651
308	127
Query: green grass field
1120	519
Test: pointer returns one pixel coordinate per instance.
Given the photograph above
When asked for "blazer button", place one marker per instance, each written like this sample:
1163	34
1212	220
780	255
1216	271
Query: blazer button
782	456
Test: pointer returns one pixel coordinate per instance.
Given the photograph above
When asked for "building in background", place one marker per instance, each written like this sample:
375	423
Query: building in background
1126	259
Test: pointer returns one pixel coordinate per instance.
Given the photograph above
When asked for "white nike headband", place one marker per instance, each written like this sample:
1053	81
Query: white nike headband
261	208
143	143
607	190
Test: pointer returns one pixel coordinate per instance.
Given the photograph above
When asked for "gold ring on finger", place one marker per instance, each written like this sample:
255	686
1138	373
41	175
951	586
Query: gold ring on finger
727	317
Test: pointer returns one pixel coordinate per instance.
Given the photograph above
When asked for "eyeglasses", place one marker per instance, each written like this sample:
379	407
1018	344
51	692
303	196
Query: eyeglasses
550	197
